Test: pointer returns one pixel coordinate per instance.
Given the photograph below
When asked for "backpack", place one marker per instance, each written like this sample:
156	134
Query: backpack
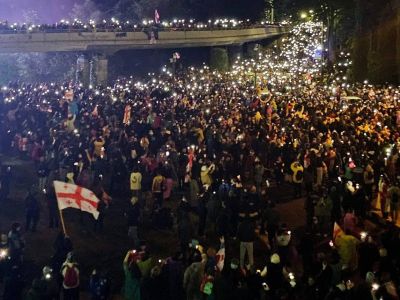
395	198
70	277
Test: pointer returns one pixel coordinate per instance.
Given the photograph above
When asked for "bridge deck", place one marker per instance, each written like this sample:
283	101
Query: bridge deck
115	41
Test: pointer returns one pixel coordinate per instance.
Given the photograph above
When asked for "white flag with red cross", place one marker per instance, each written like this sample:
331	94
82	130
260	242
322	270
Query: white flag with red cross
156	17
71	195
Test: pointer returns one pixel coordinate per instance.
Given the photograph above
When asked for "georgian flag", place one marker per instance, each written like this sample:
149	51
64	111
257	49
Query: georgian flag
156	17
337	233
74	196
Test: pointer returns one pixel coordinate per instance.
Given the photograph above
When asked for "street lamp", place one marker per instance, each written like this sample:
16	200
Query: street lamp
303	15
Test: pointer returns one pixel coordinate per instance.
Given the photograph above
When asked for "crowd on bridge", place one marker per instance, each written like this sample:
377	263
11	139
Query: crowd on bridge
114	25
212	147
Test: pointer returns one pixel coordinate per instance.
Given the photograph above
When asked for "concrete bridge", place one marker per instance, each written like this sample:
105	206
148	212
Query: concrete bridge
97	45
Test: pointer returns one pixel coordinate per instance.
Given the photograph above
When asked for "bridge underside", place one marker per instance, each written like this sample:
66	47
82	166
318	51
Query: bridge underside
92	67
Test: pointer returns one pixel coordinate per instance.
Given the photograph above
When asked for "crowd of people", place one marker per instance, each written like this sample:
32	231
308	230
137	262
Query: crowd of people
211	146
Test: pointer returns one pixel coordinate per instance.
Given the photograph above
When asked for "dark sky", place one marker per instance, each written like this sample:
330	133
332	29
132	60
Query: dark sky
49	11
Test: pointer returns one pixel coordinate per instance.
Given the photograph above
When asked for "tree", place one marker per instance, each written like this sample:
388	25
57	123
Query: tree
30	16
8	69
88	10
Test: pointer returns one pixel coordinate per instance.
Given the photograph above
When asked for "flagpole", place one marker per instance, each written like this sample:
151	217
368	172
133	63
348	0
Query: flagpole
62	222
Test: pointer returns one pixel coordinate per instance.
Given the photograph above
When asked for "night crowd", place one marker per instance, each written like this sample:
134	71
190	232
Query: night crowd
113	24
199	152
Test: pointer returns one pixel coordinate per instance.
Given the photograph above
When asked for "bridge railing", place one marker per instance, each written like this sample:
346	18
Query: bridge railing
122	30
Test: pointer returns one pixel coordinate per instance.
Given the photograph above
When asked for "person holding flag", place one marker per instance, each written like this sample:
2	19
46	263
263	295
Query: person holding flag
346	245
74	196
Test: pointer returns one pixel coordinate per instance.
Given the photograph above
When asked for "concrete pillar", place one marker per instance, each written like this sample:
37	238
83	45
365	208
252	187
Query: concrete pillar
92	73
82	70
219	58
101	69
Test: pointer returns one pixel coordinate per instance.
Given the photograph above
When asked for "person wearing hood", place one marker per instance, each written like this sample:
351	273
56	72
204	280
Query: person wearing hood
193	277
70	274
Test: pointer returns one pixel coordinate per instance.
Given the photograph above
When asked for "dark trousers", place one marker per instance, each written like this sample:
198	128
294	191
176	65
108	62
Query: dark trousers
53	219
158	199
99	223
71	294
31	221
297	190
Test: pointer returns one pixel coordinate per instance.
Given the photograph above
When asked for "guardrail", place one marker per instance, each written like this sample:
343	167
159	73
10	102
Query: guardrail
129	29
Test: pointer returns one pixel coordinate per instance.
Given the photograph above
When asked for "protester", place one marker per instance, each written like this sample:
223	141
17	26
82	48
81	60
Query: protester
70	273
223	139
